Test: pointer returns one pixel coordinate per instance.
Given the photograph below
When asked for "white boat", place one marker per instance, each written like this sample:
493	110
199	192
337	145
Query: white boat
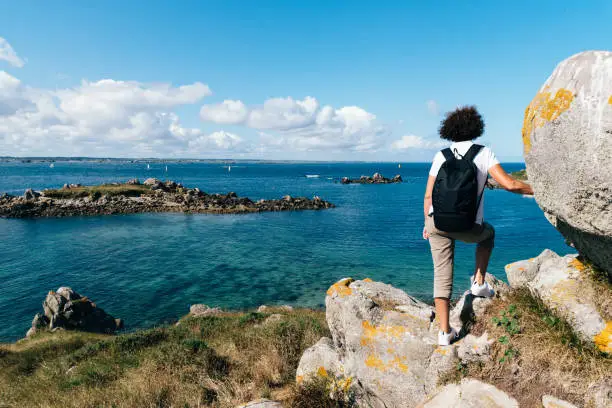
166	169
148	166
399	166
52	165
313	176
229	168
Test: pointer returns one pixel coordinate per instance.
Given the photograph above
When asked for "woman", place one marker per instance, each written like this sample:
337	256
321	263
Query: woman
461	127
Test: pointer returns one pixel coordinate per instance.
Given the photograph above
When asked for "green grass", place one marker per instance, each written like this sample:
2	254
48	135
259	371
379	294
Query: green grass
127	190
216	361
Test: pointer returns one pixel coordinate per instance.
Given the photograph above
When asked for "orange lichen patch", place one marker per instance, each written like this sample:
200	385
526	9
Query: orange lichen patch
542	110
603	340
577	264
341	288
370	332
441	350
610	100
397	363
299	379
322	372
368	280
373	361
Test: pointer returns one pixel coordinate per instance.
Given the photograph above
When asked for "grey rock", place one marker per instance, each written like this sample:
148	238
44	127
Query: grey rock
599	394
281	308
30	194
474	349
384	343
470	394
203	310
151	181
262	403
567	135
133	182
66	309
562	285
548	401
321	360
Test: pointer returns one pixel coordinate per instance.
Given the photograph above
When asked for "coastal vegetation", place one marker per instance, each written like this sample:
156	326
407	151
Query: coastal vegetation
535	352
111	190
214	361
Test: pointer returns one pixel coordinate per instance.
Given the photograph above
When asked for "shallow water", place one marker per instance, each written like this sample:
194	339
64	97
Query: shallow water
148	268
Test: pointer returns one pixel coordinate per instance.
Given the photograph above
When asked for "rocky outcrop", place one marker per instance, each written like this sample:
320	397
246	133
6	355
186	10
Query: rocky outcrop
376	178
66	309
567	136
563	285
152	196
599	394
470	394
201	310
384	343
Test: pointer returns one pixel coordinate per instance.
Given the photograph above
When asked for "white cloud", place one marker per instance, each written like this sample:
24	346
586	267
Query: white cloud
302	124
229	112
9	55
433	107
415	142
103	118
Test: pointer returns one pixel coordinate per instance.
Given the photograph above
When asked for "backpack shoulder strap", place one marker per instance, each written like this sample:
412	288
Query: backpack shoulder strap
472	152
448	154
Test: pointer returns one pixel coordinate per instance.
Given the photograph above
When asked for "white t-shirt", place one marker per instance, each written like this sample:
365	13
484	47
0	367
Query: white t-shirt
484	160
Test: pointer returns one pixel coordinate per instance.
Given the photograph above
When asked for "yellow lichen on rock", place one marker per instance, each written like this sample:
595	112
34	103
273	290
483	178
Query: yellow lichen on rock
370	332
603	340
322	372
577	264
368	280
610	100
397	362
341	288
542	110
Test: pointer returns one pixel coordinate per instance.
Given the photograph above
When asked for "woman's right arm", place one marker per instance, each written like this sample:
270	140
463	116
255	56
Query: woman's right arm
508	182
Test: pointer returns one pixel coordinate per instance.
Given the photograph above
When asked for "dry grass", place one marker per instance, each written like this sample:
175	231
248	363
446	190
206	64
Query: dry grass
128	190
539	354
215	361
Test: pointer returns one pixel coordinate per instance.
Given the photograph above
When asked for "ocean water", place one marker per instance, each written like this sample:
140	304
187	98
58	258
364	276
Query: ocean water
148	268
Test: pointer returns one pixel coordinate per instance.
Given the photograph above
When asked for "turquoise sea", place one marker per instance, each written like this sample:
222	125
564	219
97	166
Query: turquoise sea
148	268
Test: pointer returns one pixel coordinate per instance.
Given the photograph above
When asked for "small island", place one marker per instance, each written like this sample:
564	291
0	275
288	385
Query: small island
376	178
135	197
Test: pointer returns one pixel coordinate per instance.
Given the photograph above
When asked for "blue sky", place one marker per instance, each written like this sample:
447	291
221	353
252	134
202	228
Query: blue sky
318	80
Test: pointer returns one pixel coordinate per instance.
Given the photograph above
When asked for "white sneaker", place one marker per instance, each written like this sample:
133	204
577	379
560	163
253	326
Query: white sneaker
483	290
445	339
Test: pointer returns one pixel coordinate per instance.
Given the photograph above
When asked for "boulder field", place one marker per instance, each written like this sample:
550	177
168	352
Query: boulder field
384	348
567	138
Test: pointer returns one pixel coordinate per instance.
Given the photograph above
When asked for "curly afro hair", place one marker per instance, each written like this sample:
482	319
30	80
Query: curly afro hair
462	124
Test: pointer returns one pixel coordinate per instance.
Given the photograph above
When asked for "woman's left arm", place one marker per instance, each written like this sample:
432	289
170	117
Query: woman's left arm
427	202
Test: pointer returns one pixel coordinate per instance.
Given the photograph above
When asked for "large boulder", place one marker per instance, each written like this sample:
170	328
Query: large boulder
563	285
66	309
567	137
470	394
384	343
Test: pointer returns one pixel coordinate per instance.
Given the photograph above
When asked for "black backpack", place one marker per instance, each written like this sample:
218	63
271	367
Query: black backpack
455	193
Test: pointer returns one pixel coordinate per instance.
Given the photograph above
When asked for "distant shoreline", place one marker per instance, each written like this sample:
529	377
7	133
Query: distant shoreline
53	159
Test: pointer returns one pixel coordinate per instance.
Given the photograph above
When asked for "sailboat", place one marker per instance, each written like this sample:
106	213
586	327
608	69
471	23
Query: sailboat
148	166
399	166
166	169
52	165
229	168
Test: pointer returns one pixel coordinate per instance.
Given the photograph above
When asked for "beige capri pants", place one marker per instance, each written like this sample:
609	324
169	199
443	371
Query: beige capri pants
443	251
